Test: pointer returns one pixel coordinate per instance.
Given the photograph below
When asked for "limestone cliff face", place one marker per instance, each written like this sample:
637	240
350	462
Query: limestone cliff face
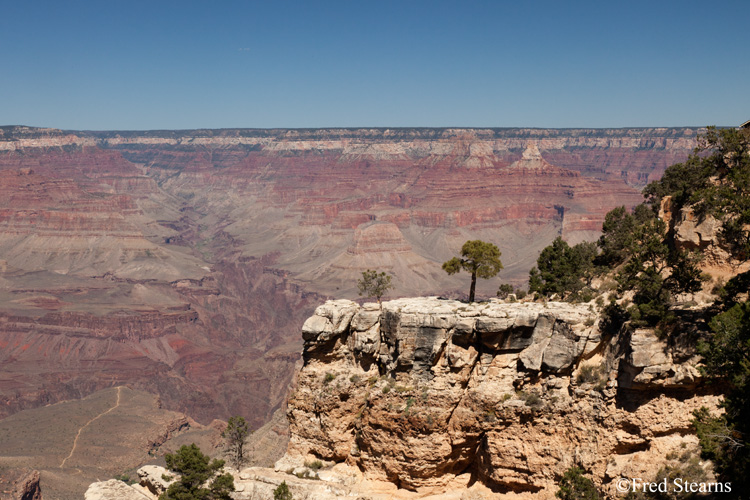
428	394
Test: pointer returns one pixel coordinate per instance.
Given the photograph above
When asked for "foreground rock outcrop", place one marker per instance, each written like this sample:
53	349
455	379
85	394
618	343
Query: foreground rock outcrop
428	393
438	399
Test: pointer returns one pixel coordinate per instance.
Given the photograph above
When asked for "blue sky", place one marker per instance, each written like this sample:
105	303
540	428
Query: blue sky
156	64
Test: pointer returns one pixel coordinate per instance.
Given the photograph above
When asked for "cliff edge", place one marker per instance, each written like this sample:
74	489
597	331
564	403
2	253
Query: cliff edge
435	395
442	400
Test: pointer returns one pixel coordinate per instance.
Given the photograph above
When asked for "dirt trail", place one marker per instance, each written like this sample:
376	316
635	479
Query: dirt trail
75	441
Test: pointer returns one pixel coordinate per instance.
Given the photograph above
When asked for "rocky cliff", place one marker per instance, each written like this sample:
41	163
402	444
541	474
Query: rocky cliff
434	395
183	262
20	484
442	400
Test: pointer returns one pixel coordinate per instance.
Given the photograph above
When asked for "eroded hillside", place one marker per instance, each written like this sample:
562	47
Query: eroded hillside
184	262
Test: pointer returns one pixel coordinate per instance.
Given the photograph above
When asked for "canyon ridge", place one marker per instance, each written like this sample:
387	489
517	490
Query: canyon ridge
182	263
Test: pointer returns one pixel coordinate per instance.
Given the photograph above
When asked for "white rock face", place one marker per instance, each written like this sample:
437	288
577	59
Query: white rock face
115	489
152	478
532	152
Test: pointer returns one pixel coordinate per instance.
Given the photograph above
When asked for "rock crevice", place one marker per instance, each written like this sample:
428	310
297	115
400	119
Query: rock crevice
426	392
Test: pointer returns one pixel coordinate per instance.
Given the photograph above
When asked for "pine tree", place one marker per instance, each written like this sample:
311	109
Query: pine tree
195	469
575	486
479	258
374	284
235	436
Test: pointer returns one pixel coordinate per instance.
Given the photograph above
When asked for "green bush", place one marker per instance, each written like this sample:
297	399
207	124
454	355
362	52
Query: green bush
314	465
195	469
125	478
504	290
532	399
564	270
282	492
575	486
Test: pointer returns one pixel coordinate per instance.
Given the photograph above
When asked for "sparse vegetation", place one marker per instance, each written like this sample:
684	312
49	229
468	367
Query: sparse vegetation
195	469
235	439
282	492
307	474
683	470
328	378
125	478
504	290
480	259
409	403
590	374
374	284
314	465
575	486
531	399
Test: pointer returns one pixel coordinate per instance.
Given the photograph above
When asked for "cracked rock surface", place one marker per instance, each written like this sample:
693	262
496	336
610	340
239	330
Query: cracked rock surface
424	393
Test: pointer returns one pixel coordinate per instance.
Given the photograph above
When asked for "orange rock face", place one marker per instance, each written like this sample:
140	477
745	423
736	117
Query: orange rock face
433	394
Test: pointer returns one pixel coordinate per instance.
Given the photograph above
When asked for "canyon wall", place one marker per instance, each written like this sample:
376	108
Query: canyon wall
183	262
435	395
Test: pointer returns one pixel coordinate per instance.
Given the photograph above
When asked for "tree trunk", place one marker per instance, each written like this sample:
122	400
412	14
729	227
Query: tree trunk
473	287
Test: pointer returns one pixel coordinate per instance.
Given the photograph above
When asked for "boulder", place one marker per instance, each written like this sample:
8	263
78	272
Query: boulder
114	489
152	477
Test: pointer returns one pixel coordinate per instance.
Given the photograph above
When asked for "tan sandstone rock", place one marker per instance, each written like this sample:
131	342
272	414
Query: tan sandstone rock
430	395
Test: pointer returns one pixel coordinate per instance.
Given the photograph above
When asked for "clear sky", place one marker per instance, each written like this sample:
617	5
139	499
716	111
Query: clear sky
158	64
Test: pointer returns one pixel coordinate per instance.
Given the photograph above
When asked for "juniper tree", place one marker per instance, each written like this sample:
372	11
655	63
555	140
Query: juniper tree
562	269
282	492
235	436
195	469
479	258
374	284
575	486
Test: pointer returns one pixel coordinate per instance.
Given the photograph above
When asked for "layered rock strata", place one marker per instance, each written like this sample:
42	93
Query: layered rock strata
183	262
428	392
